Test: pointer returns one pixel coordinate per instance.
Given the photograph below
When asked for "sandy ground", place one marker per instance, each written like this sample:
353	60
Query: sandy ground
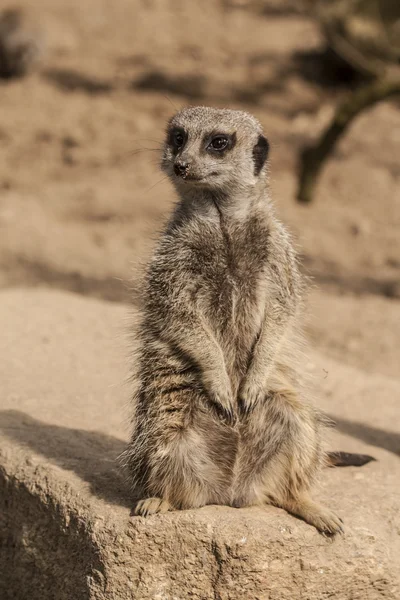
81	192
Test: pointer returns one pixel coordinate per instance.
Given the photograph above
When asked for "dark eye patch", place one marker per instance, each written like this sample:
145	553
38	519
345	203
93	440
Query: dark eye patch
218	143
177	138
260	153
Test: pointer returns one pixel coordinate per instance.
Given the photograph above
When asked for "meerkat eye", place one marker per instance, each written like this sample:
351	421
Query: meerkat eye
176	138
220	142
179	139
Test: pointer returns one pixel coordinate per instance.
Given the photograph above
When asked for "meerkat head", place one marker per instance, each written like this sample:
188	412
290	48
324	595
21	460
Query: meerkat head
214	149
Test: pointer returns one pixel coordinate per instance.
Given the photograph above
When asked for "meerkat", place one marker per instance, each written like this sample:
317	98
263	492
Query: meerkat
218	418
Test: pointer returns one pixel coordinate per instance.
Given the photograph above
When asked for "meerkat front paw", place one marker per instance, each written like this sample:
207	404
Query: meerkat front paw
224	407
250	394
220	394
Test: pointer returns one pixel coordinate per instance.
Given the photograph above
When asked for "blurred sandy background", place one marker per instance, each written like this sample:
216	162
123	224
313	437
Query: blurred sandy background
81	194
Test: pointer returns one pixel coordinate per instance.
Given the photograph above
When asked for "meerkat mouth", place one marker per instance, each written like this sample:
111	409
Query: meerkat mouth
189	178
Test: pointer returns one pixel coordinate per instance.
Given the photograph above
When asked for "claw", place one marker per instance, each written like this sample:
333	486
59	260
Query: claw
150	506
226	414
230	416
244	407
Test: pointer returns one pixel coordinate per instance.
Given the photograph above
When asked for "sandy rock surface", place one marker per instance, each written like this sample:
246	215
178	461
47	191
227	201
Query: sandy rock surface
65	528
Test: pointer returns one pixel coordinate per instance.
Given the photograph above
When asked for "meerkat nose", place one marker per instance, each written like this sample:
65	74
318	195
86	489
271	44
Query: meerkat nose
181	168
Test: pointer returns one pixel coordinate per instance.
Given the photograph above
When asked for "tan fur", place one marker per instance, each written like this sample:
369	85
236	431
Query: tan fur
218	417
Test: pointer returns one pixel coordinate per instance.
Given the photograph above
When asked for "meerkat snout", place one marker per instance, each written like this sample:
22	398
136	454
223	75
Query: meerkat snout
215	149
181	168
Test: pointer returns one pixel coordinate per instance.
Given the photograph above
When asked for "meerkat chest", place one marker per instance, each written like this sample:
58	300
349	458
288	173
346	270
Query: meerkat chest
231	268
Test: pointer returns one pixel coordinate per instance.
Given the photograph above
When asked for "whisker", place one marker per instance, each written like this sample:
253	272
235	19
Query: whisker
160	142
170	101
139	150
157	182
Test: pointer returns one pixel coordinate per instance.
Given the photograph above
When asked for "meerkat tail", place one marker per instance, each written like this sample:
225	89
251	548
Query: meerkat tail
348	459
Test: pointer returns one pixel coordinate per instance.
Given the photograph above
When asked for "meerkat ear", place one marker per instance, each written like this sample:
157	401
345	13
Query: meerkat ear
260	153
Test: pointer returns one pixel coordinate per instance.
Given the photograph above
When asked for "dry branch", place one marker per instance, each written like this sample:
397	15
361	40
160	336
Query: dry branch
313	158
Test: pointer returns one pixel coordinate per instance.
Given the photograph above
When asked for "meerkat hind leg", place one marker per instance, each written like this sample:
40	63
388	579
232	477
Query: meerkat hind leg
150	506
325	520
282	456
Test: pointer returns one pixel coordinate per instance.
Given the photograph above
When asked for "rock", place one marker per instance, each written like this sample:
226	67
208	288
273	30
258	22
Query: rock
65	529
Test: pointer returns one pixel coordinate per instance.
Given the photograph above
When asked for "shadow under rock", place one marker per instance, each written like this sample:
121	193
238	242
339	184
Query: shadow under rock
389	440
90	454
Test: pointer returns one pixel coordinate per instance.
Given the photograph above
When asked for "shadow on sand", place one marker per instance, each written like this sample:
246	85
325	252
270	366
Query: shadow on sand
90	454
388	440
